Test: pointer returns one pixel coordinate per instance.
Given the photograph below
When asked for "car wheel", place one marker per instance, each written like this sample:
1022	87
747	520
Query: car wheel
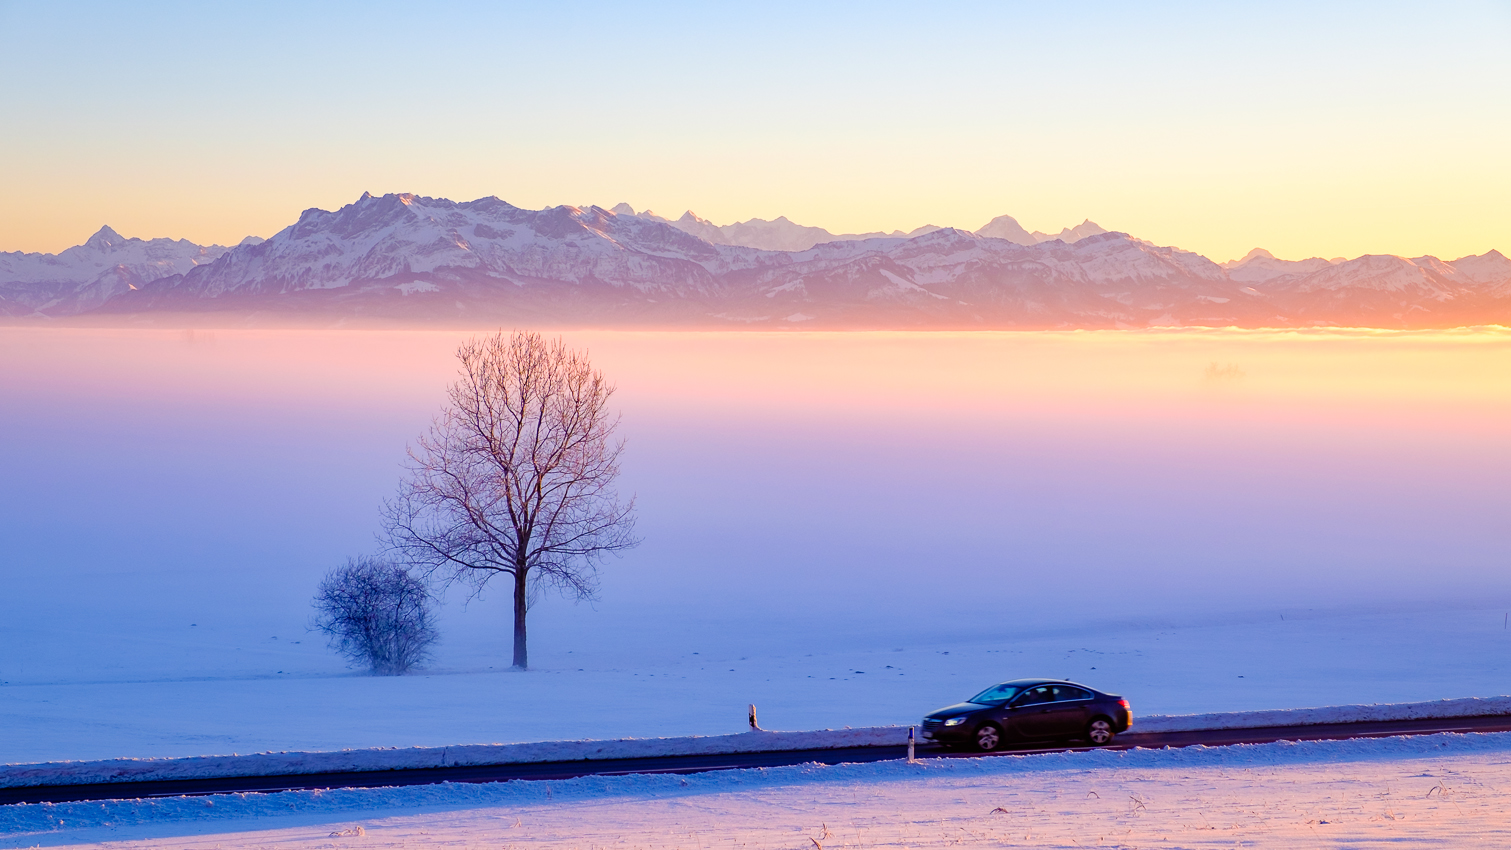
1099	731
988	738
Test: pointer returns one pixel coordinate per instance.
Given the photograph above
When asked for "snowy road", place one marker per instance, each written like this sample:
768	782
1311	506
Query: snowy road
1425	791
690	764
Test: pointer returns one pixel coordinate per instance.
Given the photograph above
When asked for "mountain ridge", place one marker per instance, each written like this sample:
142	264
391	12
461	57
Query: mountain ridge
408	258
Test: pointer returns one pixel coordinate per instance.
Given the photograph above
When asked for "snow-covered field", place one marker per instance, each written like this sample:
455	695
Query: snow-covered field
1325	661
845	529
1431	791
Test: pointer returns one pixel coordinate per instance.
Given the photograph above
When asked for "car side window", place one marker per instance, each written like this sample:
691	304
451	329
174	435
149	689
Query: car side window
1034	696
1065	693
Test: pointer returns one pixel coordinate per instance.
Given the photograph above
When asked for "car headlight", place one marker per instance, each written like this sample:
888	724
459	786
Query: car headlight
954	721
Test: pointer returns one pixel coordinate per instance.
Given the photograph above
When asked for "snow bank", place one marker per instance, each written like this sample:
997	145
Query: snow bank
279	764
1471	707
294	763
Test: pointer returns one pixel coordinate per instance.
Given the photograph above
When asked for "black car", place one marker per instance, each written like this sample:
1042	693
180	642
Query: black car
1026	710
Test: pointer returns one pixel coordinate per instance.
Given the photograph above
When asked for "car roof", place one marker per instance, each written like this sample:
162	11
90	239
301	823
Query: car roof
1028	683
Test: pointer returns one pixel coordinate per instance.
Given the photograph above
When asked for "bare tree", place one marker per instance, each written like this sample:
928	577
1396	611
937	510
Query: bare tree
516	476
377	614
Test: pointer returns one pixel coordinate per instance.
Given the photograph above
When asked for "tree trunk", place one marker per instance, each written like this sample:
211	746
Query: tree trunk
521	654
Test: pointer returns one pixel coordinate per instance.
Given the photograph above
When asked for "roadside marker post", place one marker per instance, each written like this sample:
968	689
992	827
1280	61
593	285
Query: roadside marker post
911	759
754	726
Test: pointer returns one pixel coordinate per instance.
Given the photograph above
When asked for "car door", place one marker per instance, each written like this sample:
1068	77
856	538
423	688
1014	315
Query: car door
1032	713
1069	713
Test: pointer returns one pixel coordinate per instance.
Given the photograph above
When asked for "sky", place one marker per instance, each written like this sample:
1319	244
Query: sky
1309	129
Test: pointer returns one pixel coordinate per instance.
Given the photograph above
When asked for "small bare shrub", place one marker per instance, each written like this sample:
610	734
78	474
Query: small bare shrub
376	614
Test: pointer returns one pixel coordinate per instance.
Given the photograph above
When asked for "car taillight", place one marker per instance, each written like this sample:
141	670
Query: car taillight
1125	705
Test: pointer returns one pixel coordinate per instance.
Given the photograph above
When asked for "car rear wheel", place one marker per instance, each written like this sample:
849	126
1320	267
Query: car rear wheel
1099	731
988	738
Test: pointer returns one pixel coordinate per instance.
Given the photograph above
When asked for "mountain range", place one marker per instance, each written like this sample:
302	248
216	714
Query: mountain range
403	258
783	235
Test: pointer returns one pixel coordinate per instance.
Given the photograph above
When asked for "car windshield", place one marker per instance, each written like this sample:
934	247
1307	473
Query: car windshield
995	695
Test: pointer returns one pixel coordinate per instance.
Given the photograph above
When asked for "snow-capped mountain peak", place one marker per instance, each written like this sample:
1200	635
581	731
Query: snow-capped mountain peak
103	239
1261	267
1007	227
1257	253
1489	267
1072	234
85	276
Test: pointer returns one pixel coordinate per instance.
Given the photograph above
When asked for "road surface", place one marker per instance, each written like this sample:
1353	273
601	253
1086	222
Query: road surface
723	761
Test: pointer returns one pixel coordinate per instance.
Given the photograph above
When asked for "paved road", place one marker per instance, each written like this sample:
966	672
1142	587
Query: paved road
699	764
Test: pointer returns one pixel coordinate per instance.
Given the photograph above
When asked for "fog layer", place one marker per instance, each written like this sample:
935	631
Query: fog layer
170	499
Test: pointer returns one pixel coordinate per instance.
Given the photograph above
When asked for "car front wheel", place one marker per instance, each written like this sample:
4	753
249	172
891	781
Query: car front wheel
988	738
1099	731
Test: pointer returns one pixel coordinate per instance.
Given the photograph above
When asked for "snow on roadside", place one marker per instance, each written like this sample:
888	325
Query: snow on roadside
278	764
1055	776
1445	708
294	763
